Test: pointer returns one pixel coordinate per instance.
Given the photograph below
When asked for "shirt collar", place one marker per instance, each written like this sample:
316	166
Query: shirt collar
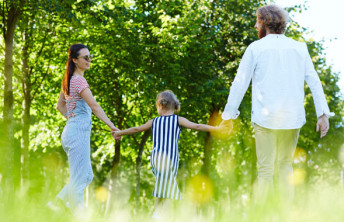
275	35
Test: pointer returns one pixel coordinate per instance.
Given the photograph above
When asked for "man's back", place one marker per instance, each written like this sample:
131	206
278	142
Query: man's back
278	82
278	67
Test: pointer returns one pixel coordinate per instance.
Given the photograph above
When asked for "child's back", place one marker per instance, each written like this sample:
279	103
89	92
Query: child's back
165	157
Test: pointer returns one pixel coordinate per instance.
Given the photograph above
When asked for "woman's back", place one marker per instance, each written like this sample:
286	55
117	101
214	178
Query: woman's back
76	106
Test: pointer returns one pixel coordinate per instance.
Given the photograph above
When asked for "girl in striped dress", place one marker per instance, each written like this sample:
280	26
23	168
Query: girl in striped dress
164	157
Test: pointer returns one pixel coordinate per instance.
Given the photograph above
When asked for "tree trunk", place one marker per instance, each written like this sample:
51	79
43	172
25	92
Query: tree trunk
26	84
207	155
214	117
138	164
116	159
10	175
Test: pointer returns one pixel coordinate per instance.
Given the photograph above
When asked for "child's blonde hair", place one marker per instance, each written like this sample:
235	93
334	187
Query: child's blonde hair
168	100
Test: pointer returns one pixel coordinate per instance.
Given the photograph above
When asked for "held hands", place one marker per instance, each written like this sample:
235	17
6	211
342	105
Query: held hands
114	133
227	124
224	129
323	124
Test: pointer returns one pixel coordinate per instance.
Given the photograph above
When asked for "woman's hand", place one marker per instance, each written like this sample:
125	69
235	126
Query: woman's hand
114	133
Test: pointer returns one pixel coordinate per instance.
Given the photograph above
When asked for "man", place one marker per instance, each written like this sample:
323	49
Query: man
278	67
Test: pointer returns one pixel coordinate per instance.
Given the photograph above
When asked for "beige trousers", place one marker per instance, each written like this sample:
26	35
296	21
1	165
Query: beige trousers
275	148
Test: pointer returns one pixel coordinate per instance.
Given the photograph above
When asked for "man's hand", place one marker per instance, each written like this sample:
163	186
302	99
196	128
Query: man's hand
227	124
323	125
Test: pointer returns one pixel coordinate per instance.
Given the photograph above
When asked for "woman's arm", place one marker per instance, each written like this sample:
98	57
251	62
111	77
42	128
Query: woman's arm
133	130
61	105
86	94
191	125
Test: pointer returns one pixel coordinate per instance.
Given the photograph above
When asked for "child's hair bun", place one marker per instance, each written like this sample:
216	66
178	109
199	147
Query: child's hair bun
176	105
164	102
168	100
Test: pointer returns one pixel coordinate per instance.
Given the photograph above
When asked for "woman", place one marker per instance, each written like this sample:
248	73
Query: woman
76	103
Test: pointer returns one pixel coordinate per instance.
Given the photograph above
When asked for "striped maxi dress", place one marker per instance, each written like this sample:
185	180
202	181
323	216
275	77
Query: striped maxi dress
165	157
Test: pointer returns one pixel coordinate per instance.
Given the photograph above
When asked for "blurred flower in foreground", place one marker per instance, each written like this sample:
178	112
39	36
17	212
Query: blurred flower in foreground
300	155
102	194
297	177
199	189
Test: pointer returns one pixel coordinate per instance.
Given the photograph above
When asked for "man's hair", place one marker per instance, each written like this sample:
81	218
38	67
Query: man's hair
274	18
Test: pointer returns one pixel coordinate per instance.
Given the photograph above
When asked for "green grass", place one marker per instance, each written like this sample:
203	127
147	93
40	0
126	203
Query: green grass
313	202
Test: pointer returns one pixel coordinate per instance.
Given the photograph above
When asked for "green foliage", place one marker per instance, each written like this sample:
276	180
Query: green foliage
141	48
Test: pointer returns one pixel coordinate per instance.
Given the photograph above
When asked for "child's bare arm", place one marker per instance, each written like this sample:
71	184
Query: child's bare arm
191	125
133	130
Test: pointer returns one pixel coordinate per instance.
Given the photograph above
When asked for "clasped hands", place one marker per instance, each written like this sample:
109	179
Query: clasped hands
114	134
224	129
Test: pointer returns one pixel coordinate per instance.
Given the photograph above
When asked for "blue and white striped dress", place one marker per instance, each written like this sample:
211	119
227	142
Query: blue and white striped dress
165	157
76	143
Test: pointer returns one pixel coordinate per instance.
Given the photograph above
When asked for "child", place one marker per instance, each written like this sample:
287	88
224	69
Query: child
164	156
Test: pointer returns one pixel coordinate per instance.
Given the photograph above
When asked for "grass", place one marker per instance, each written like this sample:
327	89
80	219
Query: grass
313	202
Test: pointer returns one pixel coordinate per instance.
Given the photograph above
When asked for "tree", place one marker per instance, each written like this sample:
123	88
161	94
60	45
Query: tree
10	12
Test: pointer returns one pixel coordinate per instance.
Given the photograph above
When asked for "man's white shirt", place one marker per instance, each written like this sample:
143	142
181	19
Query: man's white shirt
278	67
